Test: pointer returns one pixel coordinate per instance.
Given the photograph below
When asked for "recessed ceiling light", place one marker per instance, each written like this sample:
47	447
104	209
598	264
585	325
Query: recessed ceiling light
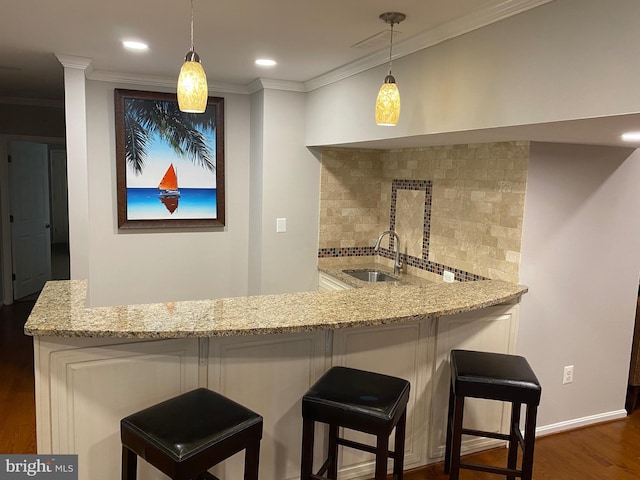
631	136
132	45
265	62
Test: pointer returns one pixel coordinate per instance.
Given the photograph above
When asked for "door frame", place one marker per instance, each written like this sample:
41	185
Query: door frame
6	260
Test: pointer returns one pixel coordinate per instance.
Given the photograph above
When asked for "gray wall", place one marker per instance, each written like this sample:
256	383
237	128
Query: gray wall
581	262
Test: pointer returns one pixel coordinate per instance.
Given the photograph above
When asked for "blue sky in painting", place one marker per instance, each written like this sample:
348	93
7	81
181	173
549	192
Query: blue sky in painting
160	155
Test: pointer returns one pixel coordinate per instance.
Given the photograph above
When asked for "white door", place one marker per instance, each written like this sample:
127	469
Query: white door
29	210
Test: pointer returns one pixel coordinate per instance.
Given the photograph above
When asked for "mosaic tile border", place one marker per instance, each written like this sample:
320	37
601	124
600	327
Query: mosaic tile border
346	252
421	185
422	263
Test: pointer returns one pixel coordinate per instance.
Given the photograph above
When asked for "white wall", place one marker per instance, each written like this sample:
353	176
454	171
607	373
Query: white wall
290	189
77	168
256	193
566	59
142	266
581	262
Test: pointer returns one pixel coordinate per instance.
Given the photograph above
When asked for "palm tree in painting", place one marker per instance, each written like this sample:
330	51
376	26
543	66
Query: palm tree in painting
143	118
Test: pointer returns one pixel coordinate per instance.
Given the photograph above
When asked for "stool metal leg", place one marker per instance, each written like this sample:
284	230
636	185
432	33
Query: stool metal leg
514	443
398	448
456	437
251	460
529	442
332	472
129	464
306	466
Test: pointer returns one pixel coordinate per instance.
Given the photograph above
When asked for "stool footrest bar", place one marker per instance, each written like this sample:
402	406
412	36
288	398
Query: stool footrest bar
518	433
360	446
481	433
324	467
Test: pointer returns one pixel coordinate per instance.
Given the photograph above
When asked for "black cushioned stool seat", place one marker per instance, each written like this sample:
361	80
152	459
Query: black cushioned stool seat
358	400
493	376
186	435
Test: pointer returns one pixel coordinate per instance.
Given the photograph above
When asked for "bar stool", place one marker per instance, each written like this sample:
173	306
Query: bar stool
358	400
493	376
186	435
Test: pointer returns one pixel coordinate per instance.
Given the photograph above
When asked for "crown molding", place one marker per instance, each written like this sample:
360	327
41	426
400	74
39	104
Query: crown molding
86	64
155	81
271	84
79	63
498	10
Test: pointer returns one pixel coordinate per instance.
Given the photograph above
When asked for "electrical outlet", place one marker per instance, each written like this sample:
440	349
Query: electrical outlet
448	276
567	376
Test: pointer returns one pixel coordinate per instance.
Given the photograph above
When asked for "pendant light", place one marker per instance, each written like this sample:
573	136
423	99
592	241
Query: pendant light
388	102
192	81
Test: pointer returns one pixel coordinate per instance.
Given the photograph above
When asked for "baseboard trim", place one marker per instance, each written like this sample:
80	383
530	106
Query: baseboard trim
580	422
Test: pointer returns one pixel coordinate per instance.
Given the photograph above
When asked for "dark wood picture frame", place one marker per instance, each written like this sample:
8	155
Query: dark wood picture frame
150	122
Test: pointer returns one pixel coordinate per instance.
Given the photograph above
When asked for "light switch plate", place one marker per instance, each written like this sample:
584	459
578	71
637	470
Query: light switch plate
281	225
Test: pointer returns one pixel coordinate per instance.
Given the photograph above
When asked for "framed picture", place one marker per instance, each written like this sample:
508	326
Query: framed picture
169	164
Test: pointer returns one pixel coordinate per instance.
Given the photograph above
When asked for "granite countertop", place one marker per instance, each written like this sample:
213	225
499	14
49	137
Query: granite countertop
60	311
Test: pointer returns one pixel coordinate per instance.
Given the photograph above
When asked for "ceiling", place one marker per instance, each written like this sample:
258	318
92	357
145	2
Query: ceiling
307	38
312	41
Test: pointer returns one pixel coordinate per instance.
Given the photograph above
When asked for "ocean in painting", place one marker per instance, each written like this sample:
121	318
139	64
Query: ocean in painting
146	204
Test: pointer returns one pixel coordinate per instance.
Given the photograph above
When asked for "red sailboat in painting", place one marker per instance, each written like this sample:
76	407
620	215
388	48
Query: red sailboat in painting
168	189
169	184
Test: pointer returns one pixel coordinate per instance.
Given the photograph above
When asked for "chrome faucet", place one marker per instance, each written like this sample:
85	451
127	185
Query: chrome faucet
397	264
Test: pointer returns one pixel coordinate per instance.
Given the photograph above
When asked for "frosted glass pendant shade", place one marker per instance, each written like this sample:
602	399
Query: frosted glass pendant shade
388	104
192	85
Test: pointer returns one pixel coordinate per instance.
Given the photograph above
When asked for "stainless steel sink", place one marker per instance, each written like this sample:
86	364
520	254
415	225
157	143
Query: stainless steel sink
370	275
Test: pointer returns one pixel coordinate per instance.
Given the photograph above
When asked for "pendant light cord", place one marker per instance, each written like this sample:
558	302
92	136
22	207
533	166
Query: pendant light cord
390	48
192	49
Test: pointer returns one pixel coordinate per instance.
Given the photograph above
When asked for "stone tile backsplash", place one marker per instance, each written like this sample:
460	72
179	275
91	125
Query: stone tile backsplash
474	227
350	186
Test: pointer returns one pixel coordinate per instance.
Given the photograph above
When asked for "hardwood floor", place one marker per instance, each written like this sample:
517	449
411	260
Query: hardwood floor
608	451
17	398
